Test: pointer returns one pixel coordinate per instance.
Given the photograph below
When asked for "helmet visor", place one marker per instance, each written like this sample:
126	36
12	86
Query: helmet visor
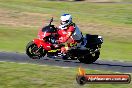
64	22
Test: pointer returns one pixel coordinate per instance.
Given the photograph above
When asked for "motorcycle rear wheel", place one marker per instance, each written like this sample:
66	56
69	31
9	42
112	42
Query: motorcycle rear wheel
89	59
31	51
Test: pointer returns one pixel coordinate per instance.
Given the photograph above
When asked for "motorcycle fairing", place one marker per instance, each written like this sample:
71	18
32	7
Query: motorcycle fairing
45	45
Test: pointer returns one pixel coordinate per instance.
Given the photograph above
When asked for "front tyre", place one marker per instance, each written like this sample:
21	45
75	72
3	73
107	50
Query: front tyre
90	58
33	51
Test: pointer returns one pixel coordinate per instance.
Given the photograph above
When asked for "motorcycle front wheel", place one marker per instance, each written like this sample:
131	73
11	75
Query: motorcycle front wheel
33	51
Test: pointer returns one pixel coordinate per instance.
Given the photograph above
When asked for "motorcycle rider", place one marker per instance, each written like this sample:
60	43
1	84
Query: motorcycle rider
69	33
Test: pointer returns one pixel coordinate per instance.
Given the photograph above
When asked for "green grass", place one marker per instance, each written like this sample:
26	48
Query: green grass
14	75
16	39
127	0
116	51
104	19
106	13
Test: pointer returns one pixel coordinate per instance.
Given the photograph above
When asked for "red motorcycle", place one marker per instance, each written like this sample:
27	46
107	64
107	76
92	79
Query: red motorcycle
46	41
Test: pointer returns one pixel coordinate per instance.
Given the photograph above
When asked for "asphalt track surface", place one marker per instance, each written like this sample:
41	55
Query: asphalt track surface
125	67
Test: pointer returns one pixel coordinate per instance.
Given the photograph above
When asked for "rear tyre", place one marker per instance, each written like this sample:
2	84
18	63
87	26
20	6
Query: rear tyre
89	59
32	51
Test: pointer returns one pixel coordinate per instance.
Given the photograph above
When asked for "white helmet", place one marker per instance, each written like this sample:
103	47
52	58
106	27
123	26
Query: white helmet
66	19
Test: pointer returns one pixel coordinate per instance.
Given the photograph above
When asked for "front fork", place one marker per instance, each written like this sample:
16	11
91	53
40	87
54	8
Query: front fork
39	48
37	51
